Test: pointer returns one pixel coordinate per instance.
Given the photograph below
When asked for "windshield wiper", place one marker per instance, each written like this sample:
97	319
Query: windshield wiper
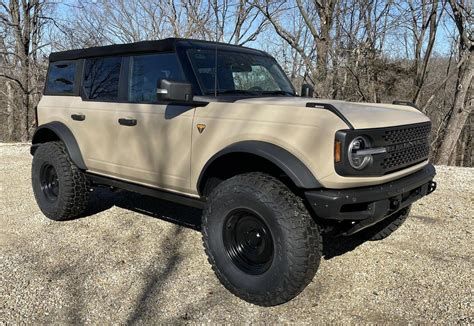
249	92
232	91
277	92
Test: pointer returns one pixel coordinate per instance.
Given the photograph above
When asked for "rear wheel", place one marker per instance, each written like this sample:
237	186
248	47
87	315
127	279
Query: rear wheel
261	241
386	227
59	186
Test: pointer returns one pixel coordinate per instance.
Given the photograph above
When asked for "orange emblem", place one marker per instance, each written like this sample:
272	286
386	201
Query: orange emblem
201	127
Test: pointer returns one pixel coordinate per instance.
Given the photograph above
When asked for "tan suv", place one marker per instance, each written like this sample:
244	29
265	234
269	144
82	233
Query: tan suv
221	127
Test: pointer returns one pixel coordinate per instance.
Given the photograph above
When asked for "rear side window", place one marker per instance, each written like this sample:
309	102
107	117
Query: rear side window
146	72
61	78
101	78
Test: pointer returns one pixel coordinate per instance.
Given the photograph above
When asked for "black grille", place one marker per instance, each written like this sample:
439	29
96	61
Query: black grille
406	134
406	146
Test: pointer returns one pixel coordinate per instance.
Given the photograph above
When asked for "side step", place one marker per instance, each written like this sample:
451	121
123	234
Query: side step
153	192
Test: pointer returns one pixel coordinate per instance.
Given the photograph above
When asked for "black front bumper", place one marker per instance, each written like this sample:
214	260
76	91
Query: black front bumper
372	204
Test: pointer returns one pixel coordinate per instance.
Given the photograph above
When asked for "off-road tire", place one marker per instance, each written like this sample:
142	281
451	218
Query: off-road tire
386	227
297	240
73	194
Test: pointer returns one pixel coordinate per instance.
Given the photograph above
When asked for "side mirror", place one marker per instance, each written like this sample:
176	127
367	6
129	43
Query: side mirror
174	91
307	90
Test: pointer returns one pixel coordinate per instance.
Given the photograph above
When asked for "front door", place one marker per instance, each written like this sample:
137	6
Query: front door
153	140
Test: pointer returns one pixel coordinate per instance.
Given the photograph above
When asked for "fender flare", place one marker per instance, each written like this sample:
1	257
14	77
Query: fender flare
65	135
296	170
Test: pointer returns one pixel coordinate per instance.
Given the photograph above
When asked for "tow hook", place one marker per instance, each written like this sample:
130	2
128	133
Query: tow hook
431	187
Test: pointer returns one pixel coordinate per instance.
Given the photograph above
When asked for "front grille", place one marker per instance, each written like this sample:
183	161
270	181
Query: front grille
406	146
407	134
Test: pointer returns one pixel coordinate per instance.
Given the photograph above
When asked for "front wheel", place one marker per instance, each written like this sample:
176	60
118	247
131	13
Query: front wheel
260	240
59	186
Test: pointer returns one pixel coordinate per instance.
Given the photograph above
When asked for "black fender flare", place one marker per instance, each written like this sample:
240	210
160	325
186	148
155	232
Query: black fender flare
65	135
296	170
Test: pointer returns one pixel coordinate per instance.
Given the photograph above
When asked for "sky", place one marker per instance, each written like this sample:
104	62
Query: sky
394	46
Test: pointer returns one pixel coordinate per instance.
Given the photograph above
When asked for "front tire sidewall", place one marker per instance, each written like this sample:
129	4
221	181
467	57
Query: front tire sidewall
254	284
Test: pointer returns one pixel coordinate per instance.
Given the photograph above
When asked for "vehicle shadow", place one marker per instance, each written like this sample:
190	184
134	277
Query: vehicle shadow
190	217
334	246
103	199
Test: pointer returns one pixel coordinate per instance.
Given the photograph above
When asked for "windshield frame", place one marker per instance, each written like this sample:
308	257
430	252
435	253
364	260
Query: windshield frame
243	93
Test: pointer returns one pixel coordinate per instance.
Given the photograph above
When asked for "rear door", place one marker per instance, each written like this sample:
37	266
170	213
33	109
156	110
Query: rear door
92	113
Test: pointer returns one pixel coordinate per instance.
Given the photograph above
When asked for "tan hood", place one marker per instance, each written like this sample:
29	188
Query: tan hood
359	115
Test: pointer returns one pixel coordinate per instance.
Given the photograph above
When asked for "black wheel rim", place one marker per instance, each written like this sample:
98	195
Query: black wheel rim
248	241
49	182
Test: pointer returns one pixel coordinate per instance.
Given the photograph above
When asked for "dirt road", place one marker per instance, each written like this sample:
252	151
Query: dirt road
138	259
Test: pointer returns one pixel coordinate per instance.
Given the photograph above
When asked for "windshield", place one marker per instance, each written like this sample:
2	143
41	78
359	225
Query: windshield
239	73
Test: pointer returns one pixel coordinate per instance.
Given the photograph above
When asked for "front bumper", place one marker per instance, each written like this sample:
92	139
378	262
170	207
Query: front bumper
369	205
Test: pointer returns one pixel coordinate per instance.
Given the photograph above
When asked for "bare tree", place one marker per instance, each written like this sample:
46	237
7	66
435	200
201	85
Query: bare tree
425	17
318	17
462	14
104	22
357	50
237	21
22	23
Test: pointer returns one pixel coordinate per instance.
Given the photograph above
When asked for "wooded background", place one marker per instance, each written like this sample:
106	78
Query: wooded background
355	50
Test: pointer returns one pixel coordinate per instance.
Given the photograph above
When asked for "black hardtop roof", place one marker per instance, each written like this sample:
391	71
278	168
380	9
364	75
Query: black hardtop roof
168	44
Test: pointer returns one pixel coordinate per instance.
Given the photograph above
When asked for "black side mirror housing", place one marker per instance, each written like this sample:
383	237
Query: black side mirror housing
174	91
307	90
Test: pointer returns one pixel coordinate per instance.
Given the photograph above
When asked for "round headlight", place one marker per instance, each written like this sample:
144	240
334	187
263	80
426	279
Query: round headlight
357	160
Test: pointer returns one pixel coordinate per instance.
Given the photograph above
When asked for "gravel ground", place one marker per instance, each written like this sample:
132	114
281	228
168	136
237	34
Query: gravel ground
135	259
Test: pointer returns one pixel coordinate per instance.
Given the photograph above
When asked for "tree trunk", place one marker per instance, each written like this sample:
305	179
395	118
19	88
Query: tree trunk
10	111
323	44
460	112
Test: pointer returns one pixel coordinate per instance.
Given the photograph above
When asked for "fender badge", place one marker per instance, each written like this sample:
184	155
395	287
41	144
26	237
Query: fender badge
201	127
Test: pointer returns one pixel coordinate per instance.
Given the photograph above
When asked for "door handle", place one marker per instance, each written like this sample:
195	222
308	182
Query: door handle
127	122
78	117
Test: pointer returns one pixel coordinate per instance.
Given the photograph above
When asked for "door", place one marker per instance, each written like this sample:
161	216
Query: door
153	140
92	114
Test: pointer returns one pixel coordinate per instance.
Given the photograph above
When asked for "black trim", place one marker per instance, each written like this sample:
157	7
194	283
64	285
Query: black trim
65	135
123	86
225	98
168	44
373	202
187	69
331	108
287	162
144	190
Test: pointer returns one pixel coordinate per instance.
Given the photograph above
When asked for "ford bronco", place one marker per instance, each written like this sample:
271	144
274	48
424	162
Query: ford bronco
220	127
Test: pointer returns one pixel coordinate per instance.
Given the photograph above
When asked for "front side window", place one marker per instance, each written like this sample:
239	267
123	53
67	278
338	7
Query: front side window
61	77
101	78
239	73
147	71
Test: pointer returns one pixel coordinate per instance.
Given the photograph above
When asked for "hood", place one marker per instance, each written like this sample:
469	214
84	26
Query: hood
359	115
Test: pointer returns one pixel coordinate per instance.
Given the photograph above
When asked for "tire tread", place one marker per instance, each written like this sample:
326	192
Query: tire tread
74	197
304	241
